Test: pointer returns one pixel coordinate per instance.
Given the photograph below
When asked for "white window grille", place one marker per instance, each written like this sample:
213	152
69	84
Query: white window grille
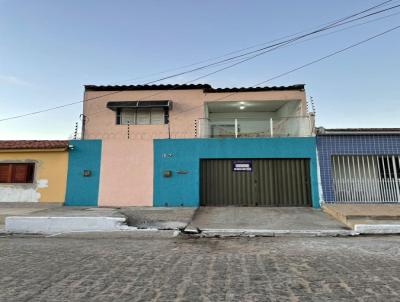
366	178
142	116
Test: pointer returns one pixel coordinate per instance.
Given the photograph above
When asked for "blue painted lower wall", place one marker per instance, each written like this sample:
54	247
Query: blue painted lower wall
185	154
329	145
83	190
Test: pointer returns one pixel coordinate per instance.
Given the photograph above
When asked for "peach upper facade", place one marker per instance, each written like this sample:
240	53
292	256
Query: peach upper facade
190	103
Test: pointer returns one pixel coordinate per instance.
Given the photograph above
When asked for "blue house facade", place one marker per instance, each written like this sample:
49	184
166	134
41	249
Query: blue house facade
195	145
359	165
178	171
335	166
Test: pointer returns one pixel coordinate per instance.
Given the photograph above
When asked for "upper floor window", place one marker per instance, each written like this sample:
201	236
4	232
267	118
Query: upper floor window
141	116
141	112
17	172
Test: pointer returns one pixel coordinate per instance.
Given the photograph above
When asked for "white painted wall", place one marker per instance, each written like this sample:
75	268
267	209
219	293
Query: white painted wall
290	121
289	109
18	193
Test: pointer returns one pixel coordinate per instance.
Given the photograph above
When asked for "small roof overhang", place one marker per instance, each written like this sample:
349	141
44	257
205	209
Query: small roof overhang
139	104
358	131
46	145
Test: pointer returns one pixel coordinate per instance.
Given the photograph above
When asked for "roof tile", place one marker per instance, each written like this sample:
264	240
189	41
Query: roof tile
32	144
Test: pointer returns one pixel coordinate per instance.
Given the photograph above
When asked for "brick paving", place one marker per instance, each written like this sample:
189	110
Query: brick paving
179	269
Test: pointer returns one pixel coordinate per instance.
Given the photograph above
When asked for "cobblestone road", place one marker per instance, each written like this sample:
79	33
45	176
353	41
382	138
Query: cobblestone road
152	269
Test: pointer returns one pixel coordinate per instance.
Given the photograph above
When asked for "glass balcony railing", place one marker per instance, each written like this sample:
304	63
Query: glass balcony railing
247	127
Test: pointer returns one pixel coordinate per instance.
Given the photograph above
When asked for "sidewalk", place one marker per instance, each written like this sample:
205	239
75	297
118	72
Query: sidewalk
343	220
160	218
22	208
50	219
265	221
42	219
367	218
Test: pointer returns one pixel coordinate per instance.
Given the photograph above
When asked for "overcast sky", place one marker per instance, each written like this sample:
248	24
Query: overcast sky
50	49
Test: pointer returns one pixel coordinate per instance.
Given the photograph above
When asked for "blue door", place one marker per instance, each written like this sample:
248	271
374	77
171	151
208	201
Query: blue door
83	173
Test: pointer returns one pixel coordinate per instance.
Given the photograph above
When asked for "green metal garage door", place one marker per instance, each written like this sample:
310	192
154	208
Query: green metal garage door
255	182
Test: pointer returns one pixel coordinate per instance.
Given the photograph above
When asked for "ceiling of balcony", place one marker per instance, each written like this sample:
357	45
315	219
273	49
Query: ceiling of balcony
249	106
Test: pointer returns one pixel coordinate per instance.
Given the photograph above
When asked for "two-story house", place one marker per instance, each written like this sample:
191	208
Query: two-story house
191	145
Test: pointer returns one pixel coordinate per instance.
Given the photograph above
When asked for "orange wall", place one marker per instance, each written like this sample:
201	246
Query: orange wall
50	176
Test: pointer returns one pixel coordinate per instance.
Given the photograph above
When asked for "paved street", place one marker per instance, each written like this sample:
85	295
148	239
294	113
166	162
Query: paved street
167	269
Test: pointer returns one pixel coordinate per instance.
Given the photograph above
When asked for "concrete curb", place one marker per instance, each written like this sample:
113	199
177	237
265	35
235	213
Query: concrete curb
381	229
270	233
54	224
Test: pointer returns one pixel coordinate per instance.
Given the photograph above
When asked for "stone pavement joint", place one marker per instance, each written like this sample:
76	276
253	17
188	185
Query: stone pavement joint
220	233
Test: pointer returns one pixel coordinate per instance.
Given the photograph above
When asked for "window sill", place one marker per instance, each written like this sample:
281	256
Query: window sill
17	184
134	125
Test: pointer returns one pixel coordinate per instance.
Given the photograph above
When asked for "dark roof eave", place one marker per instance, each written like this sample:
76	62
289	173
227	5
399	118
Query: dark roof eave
358	131
205	87
144	87
299	87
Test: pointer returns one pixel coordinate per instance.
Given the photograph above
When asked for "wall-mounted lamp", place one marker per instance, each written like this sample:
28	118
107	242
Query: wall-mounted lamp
87	173
167	173
241	107
71	147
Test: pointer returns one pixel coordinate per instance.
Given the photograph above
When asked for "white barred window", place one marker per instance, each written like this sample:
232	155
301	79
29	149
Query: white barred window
141	116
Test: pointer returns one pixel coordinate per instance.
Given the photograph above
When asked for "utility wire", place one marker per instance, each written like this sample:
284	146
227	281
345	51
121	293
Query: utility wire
277	46
263	50
297	68
266	49
300	67
304	65
248	58
257	45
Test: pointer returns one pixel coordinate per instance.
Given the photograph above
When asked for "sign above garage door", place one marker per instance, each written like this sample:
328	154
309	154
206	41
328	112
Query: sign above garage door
242	165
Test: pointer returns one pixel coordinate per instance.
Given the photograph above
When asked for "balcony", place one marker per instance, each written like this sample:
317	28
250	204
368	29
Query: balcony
261	118
296	126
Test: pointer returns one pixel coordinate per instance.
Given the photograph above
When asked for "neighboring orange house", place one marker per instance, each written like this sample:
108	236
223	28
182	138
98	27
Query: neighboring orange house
128	118
33	171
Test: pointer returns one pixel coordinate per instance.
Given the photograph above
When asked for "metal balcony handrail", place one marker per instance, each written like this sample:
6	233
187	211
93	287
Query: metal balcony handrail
254	119
273	124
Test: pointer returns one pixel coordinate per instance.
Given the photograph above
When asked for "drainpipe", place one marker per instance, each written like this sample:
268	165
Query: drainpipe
271	127
236	128
83	118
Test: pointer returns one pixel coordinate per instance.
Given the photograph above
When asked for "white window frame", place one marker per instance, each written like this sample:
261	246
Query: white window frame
121	118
